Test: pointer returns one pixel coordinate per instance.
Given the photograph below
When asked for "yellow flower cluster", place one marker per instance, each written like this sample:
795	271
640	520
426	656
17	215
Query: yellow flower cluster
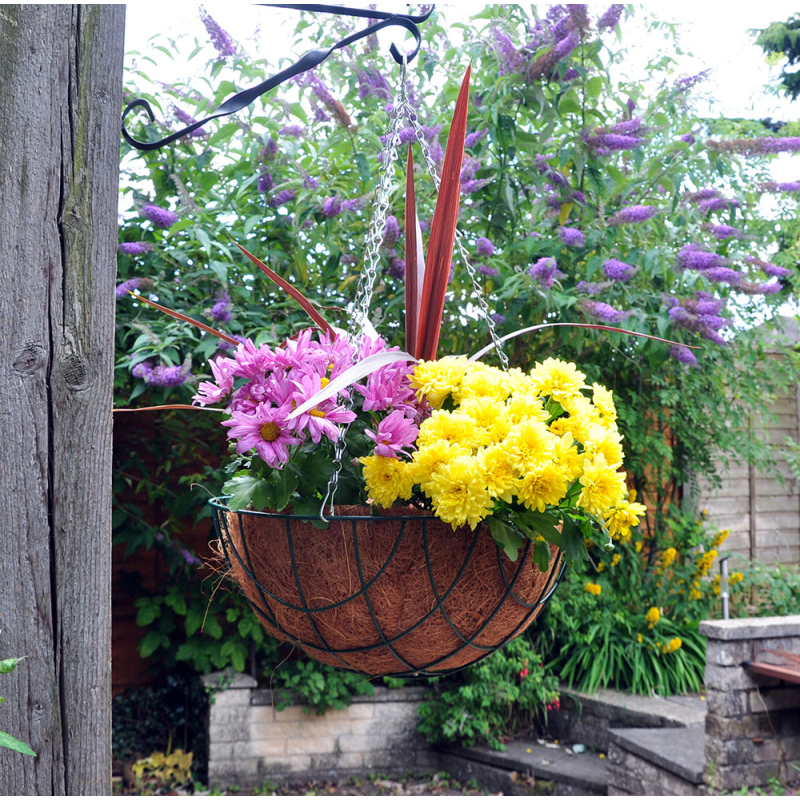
673	645
733	579
668	556
652	617
704	563
720	538
616	558
497	440
592	588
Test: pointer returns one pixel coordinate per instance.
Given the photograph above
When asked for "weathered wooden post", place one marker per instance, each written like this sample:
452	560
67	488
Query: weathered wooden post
60	99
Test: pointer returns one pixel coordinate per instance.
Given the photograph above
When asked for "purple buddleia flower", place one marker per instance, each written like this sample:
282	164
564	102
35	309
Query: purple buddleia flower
689	139
489	272
723	275
571	237
498	319
391	232
571	74
775	186
725	232
397	267
191	559
162	375
630	104
683	354
296	131
282	198
473	138
584	287
219	38
269	150
700	316
558	18
770	269
468	187
632	214
605	143
691	256
683	85
160	217
701	194
611	17
544	65
332	206
131	284
627	127
310	182
469	167
135	248
371	83
221	310
616	270
265	182
717	204
760	288
758	146
355	204
579	14
603	311
437	153
545	271
484	247
187	119
320	115
508	57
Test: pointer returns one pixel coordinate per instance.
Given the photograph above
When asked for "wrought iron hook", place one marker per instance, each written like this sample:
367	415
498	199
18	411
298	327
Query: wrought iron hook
310	60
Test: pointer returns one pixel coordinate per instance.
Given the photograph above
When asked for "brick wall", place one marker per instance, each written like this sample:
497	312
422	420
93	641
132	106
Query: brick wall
753	722
250	742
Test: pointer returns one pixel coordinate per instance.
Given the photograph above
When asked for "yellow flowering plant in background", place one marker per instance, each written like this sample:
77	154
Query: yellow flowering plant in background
534	455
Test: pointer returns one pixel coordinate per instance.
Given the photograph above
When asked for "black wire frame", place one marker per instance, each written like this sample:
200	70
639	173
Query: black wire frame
264	609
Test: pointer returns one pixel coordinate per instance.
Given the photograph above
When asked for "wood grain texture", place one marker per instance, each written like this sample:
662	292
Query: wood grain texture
61	78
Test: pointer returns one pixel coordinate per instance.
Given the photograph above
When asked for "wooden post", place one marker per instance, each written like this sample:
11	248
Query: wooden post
60	101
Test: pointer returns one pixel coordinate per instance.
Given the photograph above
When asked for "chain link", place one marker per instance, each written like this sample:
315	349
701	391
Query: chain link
374	239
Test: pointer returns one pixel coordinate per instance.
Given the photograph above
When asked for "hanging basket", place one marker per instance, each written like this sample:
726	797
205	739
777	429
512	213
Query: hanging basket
396	594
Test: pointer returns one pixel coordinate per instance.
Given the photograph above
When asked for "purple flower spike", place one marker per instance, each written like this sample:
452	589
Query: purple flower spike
683	354
717	204
391	232
160	217
545	271
605	143
484	247
611	17
473	138
221	310
632	214
265	182
691	256
617	270
584	287
756	147
332	206
397	267
293	130
135	248
498	319
775	186
603	311
701	194
282	198
269	150
723	275
683	85
219	38
131	284
571	237
489	272
770	269
689	139
725	232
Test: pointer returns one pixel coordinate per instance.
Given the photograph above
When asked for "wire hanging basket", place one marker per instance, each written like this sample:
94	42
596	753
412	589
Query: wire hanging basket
399	594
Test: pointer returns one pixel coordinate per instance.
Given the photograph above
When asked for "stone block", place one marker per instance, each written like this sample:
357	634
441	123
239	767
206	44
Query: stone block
277	730
489	778
351	760
728	704
728	654
239	699
744	751
777	699
222	751
358	711
731	679
756	628
769	650
360	744
310	745
630	774
730	778
228	680
232	732
268	748
225	715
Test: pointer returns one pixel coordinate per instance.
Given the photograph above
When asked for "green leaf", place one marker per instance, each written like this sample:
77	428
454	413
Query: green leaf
572	538
7	740
541	555
247	490
594	87
506	537
9	664
570	103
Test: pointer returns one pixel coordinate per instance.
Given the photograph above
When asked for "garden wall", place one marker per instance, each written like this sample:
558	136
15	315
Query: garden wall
250	742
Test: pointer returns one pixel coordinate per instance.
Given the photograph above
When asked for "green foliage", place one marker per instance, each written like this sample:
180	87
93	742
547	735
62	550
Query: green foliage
629	619
162	773
782	40
508	692
320	686
8	741
766	591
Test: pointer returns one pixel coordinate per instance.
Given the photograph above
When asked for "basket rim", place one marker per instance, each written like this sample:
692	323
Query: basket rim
219	504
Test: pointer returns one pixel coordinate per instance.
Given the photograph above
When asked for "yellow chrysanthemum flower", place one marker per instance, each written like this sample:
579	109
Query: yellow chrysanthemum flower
673	645
624	516
541	485
483	381
652	617
427	461
436	380
449	426
458	493
566	455
529	443
519	382
603	400
490	416
592	588
603	486
605	441
558	379
580	406
520	407
735	577
499	474
387	479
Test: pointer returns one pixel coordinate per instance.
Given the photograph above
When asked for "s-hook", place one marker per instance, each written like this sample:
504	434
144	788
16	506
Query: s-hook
310	60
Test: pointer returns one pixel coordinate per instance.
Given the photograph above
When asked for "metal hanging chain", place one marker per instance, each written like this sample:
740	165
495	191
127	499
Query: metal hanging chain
310	60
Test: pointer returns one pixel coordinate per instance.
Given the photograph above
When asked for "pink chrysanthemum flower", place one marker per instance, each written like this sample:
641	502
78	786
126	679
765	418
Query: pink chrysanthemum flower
265	431
253	362
394	433
209	392
322	420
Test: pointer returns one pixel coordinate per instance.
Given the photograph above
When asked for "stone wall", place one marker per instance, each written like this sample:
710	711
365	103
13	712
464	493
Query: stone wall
753	722
250	742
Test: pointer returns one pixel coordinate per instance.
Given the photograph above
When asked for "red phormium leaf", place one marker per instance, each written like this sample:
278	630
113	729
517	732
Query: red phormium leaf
443	231
184	318
412	288
290	290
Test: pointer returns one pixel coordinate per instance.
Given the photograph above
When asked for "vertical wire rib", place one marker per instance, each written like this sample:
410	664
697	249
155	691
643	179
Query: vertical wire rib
306	610
251	574
384	641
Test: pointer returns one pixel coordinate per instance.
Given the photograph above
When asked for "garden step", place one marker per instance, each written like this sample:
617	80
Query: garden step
572	773
653	761
587	718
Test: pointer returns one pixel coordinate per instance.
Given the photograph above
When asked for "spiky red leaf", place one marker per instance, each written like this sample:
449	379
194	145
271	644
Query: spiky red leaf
184	318
443	231
412	287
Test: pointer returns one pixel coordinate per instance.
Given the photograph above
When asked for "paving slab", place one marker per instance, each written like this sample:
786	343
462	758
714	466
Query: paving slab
586	771
679	751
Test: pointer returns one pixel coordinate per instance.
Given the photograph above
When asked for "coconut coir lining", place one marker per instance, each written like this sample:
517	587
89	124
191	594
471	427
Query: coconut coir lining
325	573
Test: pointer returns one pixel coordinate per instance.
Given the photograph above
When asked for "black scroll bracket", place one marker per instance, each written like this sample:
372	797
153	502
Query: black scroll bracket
310	60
